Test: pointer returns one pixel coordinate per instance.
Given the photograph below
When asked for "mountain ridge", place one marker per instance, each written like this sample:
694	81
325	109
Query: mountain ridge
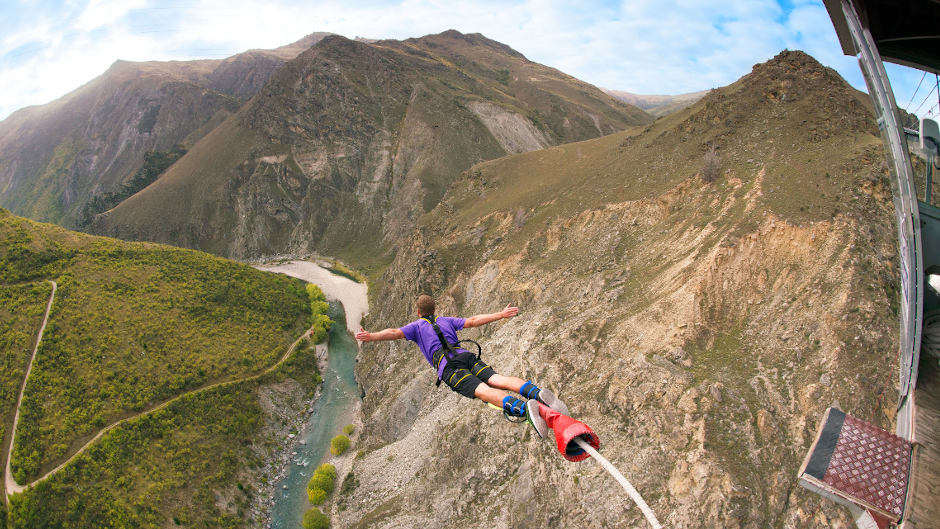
377	131
55	158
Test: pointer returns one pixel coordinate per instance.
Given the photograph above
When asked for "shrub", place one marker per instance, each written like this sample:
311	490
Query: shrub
316	496
321	323
315	519
339	445
327	469
323	482
320	328
349	429
340	269
349	484
712	167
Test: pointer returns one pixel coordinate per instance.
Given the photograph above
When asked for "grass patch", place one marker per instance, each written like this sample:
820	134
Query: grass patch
168	465
21	310
340	269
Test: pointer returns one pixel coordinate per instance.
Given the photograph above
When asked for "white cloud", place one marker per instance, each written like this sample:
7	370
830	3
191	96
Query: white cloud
644	46
102	13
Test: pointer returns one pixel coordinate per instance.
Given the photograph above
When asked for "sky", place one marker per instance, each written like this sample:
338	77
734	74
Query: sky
51	47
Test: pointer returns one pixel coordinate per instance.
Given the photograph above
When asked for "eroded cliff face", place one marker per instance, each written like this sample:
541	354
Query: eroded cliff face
700	327
350	143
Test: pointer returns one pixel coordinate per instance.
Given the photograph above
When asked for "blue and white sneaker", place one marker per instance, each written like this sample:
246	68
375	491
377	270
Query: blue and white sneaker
549	399
534	418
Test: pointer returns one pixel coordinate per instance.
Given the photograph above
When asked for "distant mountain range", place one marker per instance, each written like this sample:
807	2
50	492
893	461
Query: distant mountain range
55	158
658	105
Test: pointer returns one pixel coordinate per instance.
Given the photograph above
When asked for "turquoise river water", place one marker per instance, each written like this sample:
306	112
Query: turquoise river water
332	411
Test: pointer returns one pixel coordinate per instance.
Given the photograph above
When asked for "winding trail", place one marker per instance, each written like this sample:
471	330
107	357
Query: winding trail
10	485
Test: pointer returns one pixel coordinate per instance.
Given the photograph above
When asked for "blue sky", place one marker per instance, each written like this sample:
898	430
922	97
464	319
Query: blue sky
50	47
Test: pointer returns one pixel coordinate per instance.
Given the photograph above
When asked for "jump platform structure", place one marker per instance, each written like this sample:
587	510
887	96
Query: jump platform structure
860	466
849	460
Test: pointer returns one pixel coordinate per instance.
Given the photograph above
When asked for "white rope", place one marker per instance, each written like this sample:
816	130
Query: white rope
650	516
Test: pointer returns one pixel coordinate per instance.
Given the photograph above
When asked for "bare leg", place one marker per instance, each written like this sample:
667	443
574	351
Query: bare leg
490	394
503	382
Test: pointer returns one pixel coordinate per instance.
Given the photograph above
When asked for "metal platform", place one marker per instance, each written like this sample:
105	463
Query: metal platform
858	465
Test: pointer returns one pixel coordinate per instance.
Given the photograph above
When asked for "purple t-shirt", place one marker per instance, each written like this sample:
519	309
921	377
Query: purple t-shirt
422	333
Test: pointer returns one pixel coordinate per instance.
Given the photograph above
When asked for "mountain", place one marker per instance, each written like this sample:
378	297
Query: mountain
55	158
165	378
658	105
351	141
697	291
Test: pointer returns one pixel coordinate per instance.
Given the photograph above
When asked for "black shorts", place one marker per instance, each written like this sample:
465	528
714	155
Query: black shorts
464	373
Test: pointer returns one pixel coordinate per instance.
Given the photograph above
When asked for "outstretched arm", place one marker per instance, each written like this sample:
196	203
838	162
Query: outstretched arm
387	334
483	319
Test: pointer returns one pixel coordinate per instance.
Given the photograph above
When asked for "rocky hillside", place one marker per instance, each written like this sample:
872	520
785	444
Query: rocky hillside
55	158
350	142
698	291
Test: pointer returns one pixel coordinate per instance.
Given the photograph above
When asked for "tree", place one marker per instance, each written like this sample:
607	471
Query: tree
316	496
315	519
323	482
339	445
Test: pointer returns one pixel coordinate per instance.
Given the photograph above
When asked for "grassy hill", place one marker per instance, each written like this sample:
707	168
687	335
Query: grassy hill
698	291
134	326
374	132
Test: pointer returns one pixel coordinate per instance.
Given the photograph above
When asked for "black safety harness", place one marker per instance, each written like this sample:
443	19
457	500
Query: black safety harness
448	351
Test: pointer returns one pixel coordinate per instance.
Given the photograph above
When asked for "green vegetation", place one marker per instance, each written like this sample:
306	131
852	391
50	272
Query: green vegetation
315	519
339	445
349	429
21	310
166	462
169	463
321	484
167	321
320	326
323	478
316	496
340	269
134	325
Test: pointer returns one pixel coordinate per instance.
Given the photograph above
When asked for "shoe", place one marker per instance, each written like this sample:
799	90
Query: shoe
534	418
549	399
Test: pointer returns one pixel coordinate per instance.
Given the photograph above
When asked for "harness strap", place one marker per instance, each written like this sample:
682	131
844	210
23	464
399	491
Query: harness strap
447	350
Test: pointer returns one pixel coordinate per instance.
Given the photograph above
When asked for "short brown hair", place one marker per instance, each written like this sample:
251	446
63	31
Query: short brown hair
425	305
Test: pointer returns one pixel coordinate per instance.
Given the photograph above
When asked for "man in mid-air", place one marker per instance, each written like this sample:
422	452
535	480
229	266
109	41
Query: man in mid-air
463	371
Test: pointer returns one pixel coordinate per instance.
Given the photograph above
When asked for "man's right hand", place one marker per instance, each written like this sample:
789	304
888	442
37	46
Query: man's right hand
363	336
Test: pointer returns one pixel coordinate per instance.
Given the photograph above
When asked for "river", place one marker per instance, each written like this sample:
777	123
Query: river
339	394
